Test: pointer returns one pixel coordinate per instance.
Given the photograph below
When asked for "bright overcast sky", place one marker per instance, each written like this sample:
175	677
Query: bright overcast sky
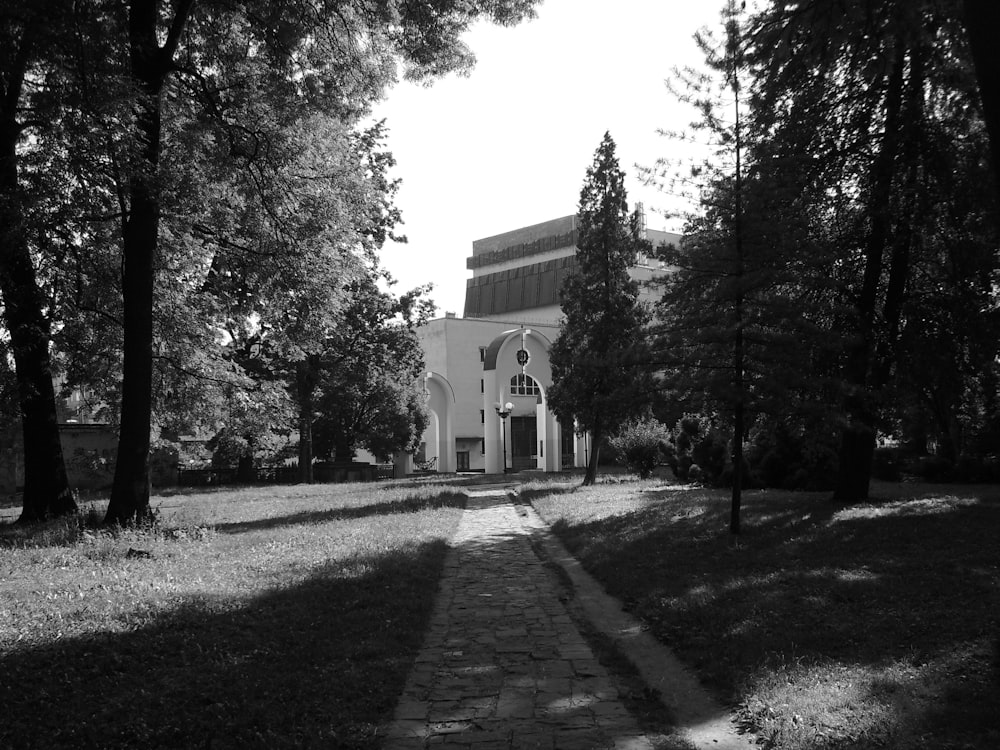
510	144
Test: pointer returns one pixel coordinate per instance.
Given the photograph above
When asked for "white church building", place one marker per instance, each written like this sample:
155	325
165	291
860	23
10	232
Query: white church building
488	372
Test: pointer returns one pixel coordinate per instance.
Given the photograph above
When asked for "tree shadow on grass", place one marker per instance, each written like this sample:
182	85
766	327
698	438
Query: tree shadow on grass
909	590
411	504
530	494
319	664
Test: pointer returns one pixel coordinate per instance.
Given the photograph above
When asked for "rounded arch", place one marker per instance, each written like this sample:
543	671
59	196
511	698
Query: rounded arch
441	381
439	437
529	431
493	350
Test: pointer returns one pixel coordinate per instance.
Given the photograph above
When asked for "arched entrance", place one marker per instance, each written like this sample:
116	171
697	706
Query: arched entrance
517	372
439	437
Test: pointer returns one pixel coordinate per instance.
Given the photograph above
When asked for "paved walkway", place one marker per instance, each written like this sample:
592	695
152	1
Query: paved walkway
503	665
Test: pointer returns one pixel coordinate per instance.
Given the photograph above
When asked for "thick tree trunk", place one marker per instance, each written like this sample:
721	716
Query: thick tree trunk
130	490
857	445
244	470
245	466
982	19
46	485
343	450
737	488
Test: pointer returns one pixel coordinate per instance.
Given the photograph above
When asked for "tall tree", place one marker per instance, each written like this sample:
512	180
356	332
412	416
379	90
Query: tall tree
335	57
27	40
982	19
733	322
867	95
599	368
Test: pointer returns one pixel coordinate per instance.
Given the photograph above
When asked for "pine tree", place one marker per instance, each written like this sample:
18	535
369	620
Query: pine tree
599	376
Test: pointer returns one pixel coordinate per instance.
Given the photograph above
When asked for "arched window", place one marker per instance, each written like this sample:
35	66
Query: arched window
524	385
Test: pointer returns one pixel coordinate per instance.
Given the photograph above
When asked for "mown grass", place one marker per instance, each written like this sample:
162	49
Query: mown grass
261	618
827	626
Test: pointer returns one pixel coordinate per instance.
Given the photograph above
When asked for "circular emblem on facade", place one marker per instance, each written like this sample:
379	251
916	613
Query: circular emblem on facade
523	357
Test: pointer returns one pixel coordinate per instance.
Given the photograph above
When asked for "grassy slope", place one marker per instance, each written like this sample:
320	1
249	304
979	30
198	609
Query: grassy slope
829	627
268	618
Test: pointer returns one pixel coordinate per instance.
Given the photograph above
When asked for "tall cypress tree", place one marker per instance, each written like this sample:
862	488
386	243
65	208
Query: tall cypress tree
599	374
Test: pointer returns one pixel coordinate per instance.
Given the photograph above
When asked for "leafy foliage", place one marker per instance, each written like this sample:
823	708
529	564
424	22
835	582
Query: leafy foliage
845	278
698	450
640	442
369	377
885	109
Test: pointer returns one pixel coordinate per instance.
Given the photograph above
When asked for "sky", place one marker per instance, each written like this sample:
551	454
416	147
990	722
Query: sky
510	144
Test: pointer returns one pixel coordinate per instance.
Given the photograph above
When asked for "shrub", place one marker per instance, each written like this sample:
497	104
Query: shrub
931	468
887	464
792	455
697	441
968	468
638	444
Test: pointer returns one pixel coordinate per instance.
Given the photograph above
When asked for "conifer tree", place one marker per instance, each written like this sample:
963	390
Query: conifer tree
599	375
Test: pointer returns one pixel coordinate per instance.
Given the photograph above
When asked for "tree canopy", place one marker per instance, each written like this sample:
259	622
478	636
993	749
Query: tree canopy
173	138
863	223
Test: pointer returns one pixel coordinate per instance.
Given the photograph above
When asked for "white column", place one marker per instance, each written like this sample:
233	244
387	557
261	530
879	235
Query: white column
542	447
491	425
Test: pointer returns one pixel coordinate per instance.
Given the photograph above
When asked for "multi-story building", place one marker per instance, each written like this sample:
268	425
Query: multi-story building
488	372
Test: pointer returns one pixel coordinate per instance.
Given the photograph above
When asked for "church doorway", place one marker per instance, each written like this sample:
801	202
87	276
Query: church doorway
523	442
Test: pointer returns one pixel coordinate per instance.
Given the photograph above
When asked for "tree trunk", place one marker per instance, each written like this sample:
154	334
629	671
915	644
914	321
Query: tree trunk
343	450
130	490
305	384
46	485
244	468
982	19
597	438
738	344
857	445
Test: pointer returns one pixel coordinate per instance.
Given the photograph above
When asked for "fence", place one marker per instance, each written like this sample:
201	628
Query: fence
322	472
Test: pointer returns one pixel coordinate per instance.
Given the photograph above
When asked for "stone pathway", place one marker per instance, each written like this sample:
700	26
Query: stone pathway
503	665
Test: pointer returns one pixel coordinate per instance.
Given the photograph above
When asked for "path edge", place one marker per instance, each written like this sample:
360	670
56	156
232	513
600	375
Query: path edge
701	720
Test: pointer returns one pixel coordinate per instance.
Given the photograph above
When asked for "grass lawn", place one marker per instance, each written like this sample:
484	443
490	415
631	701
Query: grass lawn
258	618
827	626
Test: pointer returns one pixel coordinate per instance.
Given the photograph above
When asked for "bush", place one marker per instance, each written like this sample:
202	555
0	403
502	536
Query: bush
792	455
931	468
697	442
887	464
967	468
638	443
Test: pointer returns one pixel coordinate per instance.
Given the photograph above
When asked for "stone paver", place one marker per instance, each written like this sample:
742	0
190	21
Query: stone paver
503	665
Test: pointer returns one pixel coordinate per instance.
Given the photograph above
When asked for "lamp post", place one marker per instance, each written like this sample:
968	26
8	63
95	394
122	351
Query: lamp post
503	411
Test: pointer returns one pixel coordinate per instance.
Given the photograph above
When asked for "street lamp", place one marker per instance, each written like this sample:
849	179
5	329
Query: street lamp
503	412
